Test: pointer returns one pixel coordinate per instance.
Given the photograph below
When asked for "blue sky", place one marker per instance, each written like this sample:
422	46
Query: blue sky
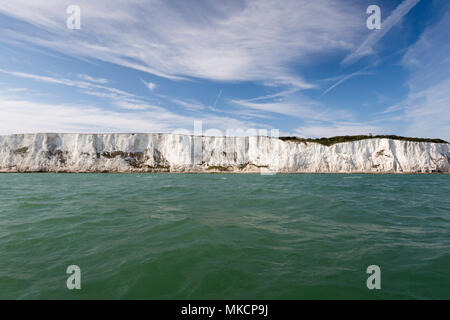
305	68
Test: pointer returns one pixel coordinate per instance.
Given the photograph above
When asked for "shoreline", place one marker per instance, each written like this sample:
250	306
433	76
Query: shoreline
221	172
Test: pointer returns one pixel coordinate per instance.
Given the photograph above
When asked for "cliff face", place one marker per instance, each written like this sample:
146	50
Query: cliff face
182	153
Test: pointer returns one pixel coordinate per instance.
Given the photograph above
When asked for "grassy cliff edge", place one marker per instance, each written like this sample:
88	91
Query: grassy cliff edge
340	139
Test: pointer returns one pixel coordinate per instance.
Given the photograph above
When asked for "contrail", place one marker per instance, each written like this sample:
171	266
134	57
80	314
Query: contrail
395	17
217	99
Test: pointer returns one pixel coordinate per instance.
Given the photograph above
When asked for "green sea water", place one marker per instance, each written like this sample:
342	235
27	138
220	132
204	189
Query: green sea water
224	236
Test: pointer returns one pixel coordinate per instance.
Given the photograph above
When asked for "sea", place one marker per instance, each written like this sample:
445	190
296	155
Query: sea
224	236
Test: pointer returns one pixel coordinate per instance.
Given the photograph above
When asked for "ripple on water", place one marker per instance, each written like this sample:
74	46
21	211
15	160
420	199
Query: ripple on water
224	236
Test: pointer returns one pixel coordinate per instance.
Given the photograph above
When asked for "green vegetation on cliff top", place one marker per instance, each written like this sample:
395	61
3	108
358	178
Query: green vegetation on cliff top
340	139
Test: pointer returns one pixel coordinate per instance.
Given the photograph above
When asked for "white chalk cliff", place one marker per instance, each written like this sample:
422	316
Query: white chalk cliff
183	153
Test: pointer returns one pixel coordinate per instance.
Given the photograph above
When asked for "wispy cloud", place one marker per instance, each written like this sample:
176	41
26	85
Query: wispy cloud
88	78
232	41
90	88
150	85
425	110
131	113
27	116
16	89
191	105
64	81
375	36
297	106
30	117
242	44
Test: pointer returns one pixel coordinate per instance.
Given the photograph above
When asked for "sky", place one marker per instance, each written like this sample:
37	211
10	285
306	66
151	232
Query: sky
238	67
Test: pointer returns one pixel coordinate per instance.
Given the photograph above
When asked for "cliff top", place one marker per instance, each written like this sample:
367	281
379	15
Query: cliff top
323	141
339	139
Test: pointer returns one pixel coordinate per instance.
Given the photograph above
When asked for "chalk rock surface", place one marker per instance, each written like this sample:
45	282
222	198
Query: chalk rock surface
183	153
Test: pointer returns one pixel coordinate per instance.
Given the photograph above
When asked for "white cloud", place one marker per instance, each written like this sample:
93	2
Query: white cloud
66	82
16	89
158	118
119	97
150	85
426	109
190	105
293	105
284	108
88	78
26	116
427	112
31	117
227	41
